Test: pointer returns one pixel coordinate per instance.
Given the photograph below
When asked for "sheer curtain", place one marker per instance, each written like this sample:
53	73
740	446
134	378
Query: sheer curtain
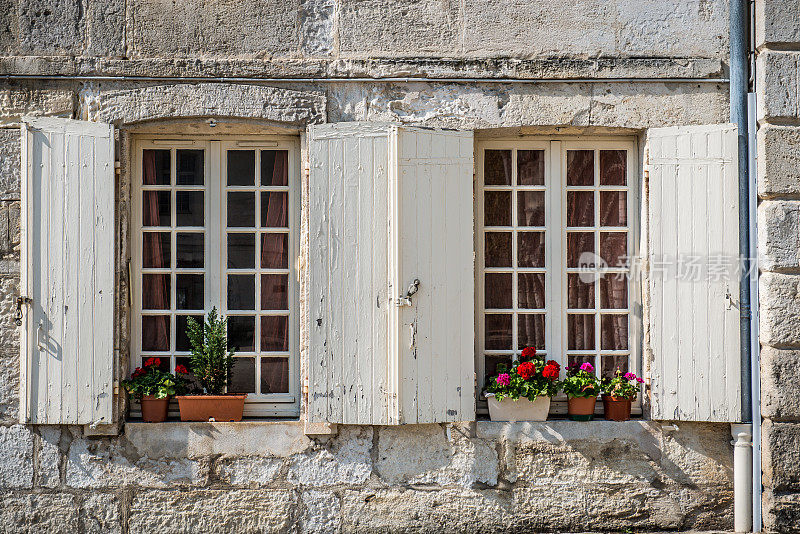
159	333
275	331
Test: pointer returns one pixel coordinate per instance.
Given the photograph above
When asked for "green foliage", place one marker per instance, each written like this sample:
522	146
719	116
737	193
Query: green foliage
152	381
581	381
211	360
624	386
530	379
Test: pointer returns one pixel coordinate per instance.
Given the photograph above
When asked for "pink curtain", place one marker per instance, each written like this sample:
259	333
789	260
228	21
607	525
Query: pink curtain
158	335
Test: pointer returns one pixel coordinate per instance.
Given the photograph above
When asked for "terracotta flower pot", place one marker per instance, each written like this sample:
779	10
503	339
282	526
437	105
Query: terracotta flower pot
211	407
518	410
616	408
154	410
581	408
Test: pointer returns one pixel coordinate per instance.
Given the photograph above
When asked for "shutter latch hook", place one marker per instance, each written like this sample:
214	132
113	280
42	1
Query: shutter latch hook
18	312
405	300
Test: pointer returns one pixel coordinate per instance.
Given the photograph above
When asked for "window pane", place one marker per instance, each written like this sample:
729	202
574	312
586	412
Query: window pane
274	292
612	167
243	376
274	167
241	251
530	249
189	250
275	251
581	358
498	249
614	332
498	331
580	167
580	331
181	339
530	208
614	291
155	332
497	167
155	292
580	208
156	208
613	208
614	248
274	375
497	290
497	208
189	292
241	209
580	249
530	167
241	333
156	167
530	291
491	361
274	209
156	250
580	294
610	364
186	361
241	167
189	208
241	292
275	333
530	331
190	167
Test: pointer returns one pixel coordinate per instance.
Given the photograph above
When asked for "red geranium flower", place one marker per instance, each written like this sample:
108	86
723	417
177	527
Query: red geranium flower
138	372
528	353
152	361
181	369
550	371
526	370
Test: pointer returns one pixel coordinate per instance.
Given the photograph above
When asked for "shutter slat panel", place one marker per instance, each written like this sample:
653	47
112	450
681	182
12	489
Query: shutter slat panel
380	392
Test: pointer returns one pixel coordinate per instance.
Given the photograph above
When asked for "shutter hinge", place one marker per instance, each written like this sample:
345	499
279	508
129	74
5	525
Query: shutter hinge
117	168
116	387
18	311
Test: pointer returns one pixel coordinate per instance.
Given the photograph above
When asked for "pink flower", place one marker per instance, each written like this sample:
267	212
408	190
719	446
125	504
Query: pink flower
639	380
629	376
588	367
503	379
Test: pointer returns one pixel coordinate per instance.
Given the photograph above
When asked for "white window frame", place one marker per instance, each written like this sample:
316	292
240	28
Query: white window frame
269	405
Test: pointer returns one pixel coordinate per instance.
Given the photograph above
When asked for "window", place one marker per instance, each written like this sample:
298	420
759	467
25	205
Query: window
215	226
553	246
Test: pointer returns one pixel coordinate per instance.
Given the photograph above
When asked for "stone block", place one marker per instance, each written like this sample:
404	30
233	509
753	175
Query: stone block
779	324
778	161
106	28
9	350
777	21
51	28
345	459
54	513
780	384
212	511
317	27
17	100
780	449
321	512
778	85
221	28
248	471
9	26
99	513
781	512
16	450
48	457
697	454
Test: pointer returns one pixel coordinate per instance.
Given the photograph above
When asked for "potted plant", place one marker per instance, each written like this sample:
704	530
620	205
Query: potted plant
522	393
581	386
153	388
618	392
211	366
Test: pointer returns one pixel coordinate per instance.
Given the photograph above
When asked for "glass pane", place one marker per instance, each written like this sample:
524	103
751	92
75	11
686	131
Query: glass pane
614	332
156	208
497	208
498	249
156	166
497	167
190	167
610	364
612	167
497	290
241	251
161	362
155	332
530	330
491	361
189	291
530	167
241	209
243	376
186	361
530	208
580	294
580	359
274	292
580	167
189	208
274	205
181	339
275	333
155	292
580	249
156	250
530	291
275	251
580	331
613	208
274	167
614	291
189	250
530	249
241	333
498	331
274	375
241	292
241	167
580	208
614	248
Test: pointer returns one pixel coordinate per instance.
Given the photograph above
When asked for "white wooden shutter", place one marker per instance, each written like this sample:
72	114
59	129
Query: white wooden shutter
67	271
694	273
391	204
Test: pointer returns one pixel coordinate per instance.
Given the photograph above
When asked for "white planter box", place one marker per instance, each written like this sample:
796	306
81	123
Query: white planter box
518	410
